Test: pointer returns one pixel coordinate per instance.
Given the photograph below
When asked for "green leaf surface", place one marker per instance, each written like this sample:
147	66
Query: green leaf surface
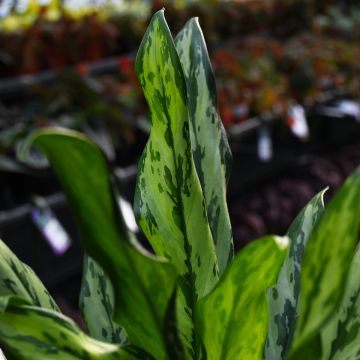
33	333
18	279
172	333
169	203
283	298
210	148
233	318
143	284
341	336
168	190
326	264
97	304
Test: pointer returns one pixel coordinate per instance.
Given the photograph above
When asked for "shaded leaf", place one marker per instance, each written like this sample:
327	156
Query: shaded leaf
233	318
210	148
143	284
97	304
172	333
169	203
18	279
283	298
326	264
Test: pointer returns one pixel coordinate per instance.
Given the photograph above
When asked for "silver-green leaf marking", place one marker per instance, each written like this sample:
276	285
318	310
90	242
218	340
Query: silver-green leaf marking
283	298
325	267
169	202
18	279
211	151
32	333
97	304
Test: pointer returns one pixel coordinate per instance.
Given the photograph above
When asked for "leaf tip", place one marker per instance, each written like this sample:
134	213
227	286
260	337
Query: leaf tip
282	242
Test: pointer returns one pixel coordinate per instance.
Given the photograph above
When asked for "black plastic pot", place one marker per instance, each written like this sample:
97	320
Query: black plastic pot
60	274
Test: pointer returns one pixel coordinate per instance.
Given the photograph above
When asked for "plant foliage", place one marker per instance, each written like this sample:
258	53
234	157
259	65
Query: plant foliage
289	297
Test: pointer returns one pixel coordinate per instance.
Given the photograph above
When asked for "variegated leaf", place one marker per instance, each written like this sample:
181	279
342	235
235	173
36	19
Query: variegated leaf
32	333
325	266
283	298
18	279
233	318
211	151
169	202
97	304
341	337
143	284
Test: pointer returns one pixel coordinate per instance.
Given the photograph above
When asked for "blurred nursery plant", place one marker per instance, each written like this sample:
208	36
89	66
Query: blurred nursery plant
293	297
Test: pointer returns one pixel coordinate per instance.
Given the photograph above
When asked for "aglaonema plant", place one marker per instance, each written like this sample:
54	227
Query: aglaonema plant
291	297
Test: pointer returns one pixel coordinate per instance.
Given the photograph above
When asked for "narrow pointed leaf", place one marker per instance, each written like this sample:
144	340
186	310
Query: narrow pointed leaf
18	279
32	333
283	298
233	318
143	284
211	151
97	304
341	337
326	263
169	203
168	190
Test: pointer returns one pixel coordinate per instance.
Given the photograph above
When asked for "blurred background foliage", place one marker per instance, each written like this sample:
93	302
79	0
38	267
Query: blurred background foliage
70	63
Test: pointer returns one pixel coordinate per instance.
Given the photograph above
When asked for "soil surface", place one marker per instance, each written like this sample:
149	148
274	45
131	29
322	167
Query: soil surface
270	208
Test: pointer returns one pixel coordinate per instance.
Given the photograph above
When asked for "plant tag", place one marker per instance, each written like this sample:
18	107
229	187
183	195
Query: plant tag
265	146
297	122
349	108
54	233
2	356
128	214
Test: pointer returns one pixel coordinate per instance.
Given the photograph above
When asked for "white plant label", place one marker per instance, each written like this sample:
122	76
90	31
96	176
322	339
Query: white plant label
297	122
54	233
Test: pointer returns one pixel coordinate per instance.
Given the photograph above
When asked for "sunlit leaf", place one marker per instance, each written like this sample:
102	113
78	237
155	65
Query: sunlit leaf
32	333
211	151
341	337
18	279
169	202
233	318
325	266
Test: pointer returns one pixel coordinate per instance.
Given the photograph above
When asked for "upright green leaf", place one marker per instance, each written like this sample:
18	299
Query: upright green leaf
143	284
32	333
233	318
169	202
211	151
97	304
326	264
283	298
341	337
16	278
